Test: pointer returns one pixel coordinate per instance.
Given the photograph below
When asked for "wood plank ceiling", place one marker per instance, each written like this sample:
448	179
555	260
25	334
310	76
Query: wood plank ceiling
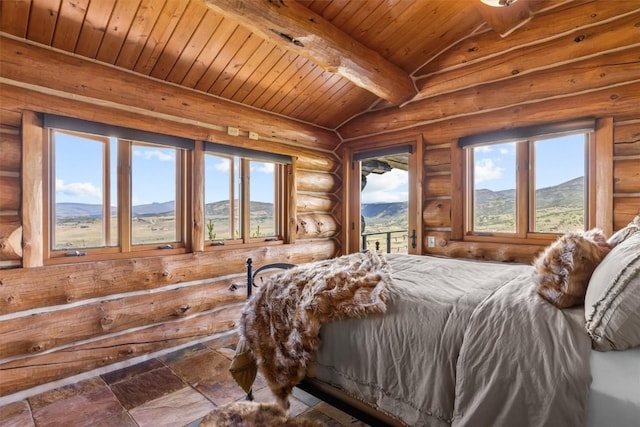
322	62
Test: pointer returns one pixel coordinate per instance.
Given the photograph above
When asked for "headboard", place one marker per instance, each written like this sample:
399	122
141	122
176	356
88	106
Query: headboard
251	275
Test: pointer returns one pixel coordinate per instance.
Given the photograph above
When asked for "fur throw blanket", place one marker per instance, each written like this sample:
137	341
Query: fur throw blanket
243	414
281	322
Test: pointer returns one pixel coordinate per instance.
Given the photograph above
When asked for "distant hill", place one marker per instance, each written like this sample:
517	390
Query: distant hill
86	210
494	204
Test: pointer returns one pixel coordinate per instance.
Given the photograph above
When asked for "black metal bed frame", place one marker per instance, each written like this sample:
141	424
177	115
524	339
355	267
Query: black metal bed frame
309	385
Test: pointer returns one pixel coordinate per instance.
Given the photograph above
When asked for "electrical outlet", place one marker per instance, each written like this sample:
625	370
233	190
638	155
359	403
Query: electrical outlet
254	135
432	241
233	131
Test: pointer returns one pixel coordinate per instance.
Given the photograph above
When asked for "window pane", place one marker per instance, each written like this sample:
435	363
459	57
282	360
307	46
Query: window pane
494	183
78	198
262	192
217	197
154	194
237	206
559	184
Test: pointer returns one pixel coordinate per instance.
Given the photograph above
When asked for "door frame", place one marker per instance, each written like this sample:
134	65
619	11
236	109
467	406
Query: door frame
351	190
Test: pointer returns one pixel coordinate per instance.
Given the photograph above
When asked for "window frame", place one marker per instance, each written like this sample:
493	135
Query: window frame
281	202
125	247
524	138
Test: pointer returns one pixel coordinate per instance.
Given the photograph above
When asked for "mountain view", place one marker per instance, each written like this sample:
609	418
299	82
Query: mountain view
559	209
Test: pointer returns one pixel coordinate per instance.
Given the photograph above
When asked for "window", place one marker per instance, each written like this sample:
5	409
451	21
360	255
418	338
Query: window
244	197
117	192
95	208
530	185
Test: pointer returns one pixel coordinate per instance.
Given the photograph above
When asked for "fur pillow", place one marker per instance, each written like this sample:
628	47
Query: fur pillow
563	270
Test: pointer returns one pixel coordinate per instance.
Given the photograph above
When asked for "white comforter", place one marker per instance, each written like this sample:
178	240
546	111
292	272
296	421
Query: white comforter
463	343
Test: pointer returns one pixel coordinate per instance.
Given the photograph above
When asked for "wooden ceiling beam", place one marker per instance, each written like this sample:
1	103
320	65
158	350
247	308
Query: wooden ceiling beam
293	26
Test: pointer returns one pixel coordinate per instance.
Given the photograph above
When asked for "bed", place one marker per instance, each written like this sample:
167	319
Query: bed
469	343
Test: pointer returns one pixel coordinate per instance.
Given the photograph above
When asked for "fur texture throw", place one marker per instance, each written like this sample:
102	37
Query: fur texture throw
250	414
281	322
563	270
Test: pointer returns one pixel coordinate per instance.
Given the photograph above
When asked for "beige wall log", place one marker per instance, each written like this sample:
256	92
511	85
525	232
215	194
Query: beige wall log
47	330
25	289
317	225
325	163
47	69
626	176
10	118
470	112
437	213
10	152
582	44
9	193
38	369
488	251
624	210
545	26
315	203
437	160
10	240
437	185
32	209
627	139
317	182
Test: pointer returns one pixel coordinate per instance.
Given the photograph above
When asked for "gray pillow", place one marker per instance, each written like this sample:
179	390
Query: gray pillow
626	232
612	301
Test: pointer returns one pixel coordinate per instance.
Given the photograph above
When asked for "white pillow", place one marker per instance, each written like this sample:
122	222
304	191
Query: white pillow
612	301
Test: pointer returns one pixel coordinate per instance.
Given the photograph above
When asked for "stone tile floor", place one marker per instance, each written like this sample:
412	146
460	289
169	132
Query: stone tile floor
177	389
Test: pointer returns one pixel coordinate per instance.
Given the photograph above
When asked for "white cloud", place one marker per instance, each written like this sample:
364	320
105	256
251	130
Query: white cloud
388	187
262	167
484	149
486	170
78	189
222	166
504	151
150	154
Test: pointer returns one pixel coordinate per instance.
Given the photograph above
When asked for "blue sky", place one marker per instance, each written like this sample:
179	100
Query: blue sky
557	160
79	174
79	171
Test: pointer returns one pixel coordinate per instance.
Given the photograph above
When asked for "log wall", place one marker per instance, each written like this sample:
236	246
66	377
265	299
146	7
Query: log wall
559	66
64	319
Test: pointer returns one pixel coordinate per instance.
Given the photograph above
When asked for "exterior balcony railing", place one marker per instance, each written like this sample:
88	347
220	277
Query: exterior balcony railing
396	241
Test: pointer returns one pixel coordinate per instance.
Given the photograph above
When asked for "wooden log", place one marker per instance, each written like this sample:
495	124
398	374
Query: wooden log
10	152
45	69
484	106
317	182
437	213
437	160
295	27
488	251
626	176
10	240
624	210
9	193
437	185
614	101
10	119
24	373
32	176
51	329
307	202
317	162
580	45
24	289
545	26
317	225
627	139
